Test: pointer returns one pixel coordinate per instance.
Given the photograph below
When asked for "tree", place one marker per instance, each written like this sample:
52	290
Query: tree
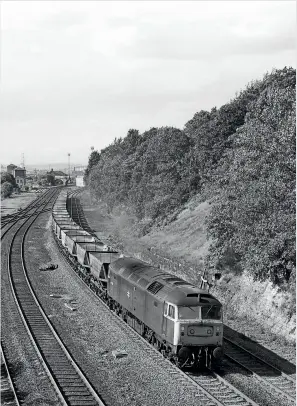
6	189
253	220
241	156
50	179
94	158
7	177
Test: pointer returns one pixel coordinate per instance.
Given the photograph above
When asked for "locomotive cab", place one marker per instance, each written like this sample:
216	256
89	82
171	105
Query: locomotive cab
181	320
197	330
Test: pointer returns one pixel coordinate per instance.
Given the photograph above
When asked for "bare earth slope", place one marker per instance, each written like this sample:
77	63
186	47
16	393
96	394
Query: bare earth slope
254	311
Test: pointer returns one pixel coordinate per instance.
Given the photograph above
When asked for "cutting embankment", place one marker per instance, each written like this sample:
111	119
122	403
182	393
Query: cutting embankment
257	309
219	195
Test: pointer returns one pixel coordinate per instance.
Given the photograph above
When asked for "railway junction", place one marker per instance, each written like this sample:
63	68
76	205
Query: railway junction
61	344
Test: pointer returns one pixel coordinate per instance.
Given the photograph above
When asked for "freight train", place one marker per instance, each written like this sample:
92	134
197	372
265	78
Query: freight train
183	322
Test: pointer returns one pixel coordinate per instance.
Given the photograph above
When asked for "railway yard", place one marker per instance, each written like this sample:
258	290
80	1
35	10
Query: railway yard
62	345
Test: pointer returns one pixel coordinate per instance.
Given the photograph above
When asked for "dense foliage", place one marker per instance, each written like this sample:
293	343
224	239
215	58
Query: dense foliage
7	177
6	189
254	215
240	156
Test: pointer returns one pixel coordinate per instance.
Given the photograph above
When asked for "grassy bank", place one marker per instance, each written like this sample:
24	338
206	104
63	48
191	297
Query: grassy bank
255	309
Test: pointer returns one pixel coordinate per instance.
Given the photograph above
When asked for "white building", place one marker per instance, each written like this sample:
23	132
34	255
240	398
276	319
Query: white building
78	174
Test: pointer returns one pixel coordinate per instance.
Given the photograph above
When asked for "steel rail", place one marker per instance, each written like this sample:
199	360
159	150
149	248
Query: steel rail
212	397
18	214
222	390
285	391
262	370
36	205
22	315
71	385
8	386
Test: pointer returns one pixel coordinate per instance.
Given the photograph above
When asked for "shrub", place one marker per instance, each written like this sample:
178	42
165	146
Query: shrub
6	189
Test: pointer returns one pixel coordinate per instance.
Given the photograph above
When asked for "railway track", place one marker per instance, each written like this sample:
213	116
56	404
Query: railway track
210	389
222	391
24	214
8	389
70	384
271	376
8	218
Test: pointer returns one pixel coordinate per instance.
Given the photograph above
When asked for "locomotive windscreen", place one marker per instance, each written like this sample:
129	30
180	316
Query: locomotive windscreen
212	312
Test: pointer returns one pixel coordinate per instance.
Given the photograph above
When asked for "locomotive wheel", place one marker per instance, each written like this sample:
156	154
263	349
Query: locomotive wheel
183	355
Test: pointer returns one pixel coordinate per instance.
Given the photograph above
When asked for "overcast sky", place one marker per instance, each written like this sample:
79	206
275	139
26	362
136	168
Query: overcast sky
78	74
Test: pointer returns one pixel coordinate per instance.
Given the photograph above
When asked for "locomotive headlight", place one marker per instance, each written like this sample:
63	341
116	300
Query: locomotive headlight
182	328
218	328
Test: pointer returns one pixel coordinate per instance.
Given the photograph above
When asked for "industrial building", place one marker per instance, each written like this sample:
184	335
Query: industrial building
19	174
78	174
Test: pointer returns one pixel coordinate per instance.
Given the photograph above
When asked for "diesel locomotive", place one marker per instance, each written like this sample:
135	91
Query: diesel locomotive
184	322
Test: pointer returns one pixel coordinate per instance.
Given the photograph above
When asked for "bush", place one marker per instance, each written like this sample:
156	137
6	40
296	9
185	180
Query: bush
7	177
6	189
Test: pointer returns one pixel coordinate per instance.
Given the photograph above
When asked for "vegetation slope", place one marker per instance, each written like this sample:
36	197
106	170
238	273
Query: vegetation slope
239	159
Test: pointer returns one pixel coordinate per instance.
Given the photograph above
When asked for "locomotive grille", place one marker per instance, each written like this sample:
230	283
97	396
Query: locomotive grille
155	287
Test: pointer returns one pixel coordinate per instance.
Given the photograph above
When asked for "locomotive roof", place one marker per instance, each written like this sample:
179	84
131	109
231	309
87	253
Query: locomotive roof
163	285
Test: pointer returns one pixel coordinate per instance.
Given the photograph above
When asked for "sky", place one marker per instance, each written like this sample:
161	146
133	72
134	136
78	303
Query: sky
79	74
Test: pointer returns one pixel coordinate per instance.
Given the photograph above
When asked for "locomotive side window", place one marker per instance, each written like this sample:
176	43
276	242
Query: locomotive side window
171	311
165	309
